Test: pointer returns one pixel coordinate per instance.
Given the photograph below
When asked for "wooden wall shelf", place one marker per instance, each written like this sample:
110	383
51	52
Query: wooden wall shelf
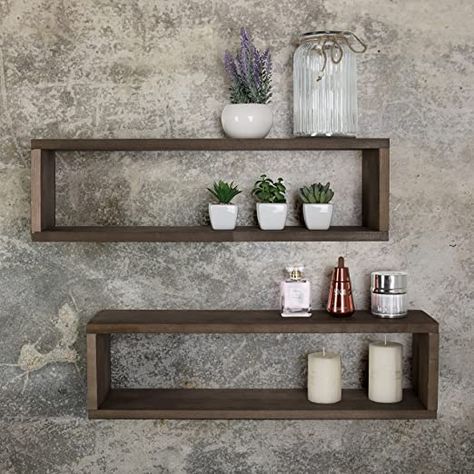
375	191
107	402
206	234
210	144
251	404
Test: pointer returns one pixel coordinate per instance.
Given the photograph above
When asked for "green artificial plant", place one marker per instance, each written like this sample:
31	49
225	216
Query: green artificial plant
316	194
268	191
224	192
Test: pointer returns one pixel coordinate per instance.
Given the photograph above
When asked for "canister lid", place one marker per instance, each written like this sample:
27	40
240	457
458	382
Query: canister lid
318	34
388	281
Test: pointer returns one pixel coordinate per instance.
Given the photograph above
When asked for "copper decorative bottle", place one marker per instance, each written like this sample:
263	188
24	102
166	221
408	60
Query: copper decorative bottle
340	302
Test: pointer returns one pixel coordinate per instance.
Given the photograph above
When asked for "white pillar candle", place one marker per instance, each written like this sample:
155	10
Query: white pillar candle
385	372
324	377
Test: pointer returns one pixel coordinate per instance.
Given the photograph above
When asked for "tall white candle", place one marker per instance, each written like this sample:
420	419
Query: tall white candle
385	372
324	377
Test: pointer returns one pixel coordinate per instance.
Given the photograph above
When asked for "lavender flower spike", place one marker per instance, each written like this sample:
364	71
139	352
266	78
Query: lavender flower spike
229	66
257	66
245	56
245	39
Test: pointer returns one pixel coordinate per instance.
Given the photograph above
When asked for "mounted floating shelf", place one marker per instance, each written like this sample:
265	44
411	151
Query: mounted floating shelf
107	402
375	191
205	234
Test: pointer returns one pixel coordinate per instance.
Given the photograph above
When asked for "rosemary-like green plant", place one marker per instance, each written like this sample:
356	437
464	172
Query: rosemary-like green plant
224	192
266	190
316	194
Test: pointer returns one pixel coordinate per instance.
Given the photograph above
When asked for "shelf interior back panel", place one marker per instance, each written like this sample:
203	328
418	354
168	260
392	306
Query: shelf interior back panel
165	190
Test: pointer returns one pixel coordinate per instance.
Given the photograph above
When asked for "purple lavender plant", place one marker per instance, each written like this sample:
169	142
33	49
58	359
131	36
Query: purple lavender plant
250	73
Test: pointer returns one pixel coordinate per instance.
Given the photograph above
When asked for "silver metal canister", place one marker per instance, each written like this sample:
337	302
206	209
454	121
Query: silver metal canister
388	294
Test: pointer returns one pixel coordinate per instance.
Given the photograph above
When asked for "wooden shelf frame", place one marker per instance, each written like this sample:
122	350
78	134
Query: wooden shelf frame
206	234
375	191
103	401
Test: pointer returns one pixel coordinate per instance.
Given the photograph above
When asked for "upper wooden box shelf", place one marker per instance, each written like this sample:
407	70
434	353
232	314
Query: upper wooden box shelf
375	191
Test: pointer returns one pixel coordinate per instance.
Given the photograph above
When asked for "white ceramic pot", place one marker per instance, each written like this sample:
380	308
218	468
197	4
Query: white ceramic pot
317	216
223	216
271	216
247	120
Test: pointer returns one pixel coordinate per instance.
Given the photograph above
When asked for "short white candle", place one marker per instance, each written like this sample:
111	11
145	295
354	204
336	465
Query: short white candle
324	377
385	372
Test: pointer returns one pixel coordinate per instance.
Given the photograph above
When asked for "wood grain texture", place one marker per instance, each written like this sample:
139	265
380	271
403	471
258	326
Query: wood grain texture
211	144
43	190
376	189
425	368
98	369
250	404
251	321
206	234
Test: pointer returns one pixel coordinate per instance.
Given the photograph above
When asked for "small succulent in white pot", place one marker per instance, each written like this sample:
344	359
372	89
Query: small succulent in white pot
317	211
250	75
223	216
271	206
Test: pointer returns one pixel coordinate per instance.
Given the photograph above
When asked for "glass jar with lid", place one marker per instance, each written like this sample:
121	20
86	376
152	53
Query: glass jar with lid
325	84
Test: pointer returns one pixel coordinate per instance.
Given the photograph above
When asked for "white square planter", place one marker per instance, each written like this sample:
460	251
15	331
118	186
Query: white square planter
223	216
317	216
271	216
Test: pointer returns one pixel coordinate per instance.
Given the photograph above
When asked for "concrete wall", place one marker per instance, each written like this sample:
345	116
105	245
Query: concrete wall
144	68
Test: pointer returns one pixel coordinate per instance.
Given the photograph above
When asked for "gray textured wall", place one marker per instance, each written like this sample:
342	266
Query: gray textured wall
145	68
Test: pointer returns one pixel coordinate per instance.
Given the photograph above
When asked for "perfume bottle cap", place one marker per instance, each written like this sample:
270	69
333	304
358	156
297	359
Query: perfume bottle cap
295	272
341	272
340	302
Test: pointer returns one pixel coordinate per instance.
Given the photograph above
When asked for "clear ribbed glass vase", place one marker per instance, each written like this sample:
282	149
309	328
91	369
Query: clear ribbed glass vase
325	85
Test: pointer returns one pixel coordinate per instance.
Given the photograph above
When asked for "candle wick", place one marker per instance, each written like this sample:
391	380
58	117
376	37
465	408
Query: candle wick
385	339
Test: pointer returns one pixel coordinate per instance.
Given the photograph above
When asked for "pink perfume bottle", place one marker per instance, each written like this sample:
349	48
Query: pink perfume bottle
295	294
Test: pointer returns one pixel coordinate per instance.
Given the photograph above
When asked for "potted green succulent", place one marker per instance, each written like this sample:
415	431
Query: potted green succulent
317	211
271	203
250	76
223	216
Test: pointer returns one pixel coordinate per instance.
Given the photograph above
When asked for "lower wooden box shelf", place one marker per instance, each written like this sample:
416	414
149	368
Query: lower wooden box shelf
277	404
106	402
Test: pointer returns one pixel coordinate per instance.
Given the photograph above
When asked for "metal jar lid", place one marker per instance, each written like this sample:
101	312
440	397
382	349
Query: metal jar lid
388	282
